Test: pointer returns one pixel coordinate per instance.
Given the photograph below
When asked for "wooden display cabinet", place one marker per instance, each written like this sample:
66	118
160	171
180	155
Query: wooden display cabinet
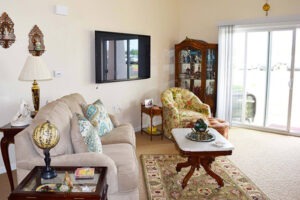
196	69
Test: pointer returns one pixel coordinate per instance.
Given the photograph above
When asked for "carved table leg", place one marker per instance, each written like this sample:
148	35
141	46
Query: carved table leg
194	162
188	176
206	163
4	149
179	166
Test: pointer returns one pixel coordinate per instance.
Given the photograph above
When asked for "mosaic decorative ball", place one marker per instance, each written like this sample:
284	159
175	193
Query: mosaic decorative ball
46	135
200	125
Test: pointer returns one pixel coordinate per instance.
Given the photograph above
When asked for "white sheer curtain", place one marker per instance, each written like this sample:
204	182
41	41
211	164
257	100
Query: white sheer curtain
224	72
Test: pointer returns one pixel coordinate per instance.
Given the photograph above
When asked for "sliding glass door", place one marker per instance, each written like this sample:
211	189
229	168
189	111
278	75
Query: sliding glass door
295	111
280	54
266	80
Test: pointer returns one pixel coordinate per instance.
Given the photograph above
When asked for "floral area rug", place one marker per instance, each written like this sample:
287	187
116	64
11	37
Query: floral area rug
163	182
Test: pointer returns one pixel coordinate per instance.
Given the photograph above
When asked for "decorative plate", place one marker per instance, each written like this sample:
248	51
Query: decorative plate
47	188
200	137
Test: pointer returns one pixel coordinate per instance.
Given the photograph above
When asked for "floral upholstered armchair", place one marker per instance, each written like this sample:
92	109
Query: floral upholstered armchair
180	108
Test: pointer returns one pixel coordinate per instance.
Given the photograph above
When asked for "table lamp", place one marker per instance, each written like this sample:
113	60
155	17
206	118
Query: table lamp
35	69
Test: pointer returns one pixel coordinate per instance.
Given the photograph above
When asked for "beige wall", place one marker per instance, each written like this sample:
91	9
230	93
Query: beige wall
199	18
69	44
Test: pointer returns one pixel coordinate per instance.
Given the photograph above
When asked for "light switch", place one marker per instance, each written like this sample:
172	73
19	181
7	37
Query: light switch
57	73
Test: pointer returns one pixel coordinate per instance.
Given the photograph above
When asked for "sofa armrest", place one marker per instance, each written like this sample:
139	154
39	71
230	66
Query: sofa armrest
114	120
89	159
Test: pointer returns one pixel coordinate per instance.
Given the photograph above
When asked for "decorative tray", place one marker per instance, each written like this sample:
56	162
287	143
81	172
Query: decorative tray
200	136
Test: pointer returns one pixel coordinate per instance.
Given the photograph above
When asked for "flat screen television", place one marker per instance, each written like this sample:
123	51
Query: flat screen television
121	56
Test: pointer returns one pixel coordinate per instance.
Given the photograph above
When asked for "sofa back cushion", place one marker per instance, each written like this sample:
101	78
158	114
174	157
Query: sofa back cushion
60	115
73	101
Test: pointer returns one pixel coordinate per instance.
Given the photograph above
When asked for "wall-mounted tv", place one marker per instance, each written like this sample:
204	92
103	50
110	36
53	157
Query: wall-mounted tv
121	56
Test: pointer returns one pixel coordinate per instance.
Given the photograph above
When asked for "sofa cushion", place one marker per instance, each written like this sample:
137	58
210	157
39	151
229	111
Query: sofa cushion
60	115
84	135
123	133
127	167
74	102
98	116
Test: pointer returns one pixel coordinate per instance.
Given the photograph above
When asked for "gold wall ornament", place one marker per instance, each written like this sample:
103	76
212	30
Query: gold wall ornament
266	7
36	41
7	35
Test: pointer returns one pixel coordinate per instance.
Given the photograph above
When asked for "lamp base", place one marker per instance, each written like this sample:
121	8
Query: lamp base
48	174
35	95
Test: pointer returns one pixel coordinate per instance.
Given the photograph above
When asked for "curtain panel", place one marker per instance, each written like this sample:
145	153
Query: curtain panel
225	72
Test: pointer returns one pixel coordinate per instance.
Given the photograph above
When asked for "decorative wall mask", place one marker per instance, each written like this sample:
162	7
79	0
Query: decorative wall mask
36	41
7	36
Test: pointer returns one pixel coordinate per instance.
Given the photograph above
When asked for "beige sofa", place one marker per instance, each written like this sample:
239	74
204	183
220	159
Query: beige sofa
118	148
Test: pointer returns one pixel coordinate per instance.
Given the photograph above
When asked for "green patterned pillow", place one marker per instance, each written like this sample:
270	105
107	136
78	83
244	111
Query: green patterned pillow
89	134
98	116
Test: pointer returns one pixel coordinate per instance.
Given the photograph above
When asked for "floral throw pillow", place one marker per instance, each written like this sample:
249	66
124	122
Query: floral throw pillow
89	134
98	116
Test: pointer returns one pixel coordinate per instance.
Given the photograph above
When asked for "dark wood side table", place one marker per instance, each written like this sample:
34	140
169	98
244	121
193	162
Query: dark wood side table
9	133
152	111
28	186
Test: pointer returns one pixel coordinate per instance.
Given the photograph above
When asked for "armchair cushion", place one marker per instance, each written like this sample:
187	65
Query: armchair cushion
186	116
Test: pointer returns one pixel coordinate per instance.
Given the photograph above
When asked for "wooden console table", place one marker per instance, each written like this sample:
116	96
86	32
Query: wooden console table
9	133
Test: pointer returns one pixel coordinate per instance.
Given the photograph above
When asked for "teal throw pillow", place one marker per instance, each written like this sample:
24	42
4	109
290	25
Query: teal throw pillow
89	134
98	116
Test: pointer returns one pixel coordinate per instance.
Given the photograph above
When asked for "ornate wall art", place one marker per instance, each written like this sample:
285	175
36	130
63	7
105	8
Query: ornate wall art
36	41
7	36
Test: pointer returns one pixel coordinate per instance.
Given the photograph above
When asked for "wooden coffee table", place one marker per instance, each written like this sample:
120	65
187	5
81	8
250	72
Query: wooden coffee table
200	153
27	188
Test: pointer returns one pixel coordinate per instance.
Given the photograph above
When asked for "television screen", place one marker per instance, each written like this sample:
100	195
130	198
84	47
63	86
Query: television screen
121	56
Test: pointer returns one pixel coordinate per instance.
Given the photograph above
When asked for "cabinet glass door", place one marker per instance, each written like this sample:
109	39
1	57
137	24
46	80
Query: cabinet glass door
190	69
210	72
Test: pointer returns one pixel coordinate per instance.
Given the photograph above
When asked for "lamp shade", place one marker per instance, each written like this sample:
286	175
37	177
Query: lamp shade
35	69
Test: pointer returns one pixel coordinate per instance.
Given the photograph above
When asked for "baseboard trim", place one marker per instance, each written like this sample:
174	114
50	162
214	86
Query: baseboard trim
3	171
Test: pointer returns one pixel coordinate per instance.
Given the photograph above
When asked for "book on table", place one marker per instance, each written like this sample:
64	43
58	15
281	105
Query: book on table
84	173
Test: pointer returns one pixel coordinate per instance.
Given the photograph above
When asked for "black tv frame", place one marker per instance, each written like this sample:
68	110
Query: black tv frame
144	55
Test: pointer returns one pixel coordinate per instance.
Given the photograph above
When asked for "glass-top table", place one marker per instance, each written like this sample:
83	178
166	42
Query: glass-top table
34	187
